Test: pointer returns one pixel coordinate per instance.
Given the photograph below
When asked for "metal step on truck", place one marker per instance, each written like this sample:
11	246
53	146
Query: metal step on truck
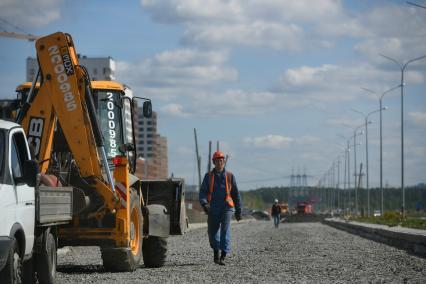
30	214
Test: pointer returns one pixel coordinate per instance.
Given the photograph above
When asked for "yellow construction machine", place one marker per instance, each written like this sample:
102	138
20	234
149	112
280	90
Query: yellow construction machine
81	132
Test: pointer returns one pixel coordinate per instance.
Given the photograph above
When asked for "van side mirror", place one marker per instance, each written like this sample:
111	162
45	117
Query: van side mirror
147	109
31	172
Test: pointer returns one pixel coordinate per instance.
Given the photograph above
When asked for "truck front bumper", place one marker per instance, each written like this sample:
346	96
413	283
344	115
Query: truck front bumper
5	247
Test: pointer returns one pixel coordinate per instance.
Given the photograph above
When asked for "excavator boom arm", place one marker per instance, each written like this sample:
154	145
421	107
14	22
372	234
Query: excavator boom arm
64	95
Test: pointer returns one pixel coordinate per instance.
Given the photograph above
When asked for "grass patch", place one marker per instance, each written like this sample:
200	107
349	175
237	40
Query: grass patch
392	219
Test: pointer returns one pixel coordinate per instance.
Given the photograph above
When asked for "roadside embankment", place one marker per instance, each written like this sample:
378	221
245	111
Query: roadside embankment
412	240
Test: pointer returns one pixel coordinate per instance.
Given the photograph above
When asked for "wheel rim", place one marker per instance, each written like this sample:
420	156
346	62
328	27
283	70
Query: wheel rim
17	268
134	231
53	259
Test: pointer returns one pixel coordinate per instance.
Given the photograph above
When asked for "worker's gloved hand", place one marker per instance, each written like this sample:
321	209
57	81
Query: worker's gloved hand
238	215
206	208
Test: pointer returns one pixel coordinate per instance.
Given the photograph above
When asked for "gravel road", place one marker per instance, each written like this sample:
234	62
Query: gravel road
294	253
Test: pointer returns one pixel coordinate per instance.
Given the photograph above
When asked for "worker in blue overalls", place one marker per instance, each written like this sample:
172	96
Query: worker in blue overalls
220	199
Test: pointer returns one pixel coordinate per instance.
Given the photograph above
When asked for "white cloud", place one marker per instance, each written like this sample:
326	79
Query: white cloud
406	21
177	70
312	157
257	33
418	118
295	25
416	152
173	110
307	75
340	83
401	49
307	140
192	82
29	14
274	24
235	102
393	30
228	102
345	121
268	141
281	25
181	11
184	151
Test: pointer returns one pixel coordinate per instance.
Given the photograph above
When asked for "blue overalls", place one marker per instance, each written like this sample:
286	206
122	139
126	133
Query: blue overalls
220	213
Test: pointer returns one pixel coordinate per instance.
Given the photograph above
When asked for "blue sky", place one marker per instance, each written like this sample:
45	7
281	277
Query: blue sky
272	81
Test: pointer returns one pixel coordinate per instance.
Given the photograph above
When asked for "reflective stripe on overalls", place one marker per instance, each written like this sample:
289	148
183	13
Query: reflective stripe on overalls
228	198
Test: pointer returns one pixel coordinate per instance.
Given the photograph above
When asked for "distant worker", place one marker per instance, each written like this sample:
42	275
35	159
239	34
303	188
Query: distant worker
220	198
276	212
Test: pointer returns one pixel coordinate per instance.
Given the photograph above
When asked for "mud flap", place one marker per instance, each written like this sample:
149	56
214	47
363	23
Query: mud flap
158	221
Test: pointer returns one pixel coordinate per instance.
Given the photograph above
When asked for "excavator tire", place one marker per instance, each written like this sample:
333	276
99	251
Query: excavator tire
154	251
127	259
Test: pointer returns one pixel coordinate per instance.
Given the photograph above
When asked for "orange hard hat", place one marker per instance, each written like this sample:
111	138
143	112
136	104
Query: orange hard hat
217	155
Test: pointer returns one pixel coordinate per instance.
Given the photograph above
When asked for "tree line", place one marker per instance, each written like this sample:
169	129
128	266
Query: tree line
325	198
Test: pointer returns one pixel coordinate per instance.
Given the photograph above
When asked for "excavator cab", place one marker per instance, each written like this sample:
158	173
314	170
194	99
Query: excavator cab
115	105
108	104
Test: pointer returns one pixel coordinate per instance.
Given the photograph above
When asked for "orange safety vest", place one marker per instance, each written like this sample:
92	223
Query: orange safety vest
228	198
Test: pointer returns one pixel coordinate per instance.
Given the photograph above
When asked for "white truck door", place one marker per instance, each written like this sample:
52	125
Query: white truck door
8	200
25	209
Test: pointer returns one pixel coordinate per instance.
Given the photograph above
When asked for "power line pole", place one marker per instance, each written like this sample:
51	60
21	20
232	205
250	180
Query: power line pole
209	162
198	159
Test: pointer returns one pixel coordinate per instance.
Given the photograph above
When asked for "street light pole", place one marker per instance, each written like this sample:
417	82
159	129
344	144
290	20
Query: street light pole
355	173
344	181
349	175
330	180
402	68
380	97
338	183
333	173
366	151
349	168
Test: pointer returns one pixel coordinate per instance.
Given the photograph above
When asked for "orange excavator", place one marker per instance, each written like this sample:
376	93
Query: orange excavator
81	133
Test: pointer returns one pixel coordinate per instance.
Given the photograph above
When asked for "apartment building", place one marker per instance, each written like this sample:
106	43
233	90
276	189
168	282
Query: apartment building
151	147
99	68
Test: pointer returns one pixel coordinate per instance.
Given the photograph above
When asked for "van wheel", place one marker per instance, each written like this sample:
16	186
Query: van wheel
154	251
12	272
28	273
46	260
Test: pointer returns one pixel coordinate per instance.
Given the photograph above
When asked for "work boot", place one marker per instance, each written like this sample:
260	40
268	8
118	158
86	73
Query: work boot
216	256
222	258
